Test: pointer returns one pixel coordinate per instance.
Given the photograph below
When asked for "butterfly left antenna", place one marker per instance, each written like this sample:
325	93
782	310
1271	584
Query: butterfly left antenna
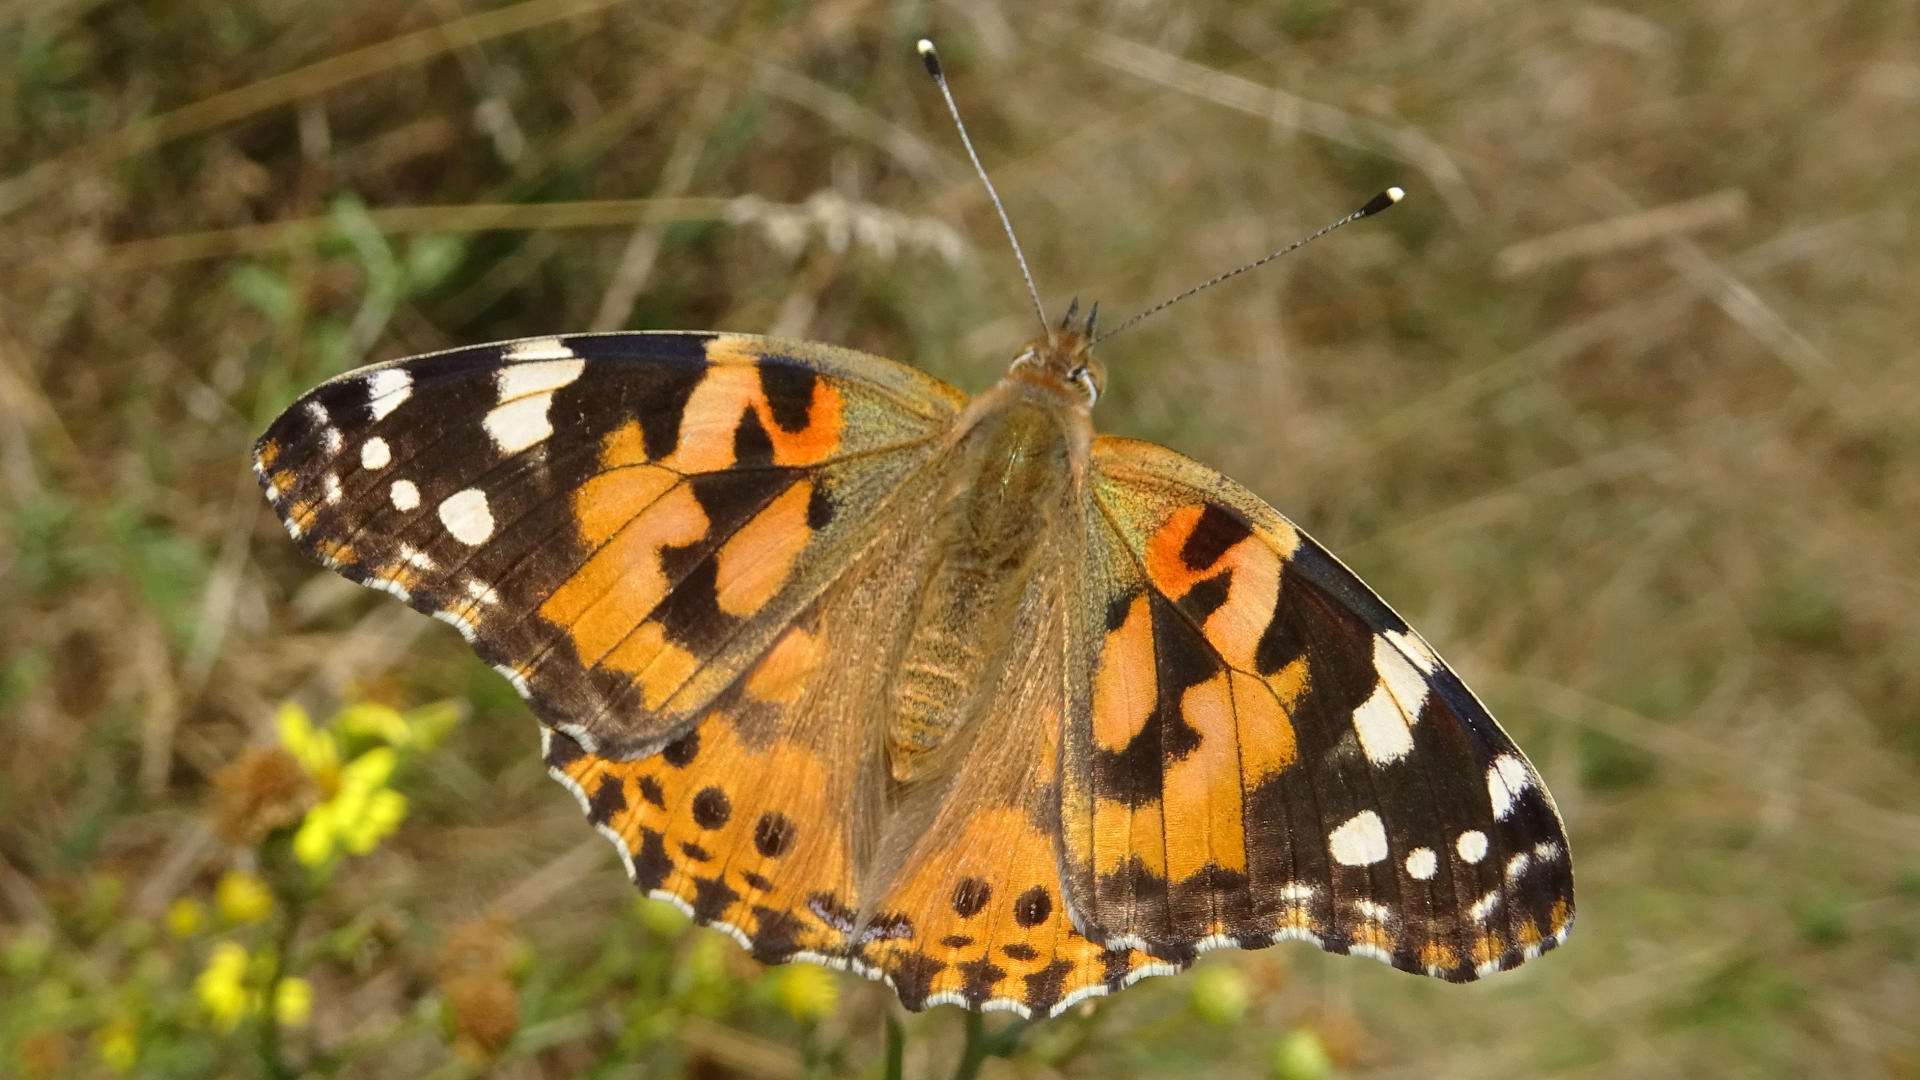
932	60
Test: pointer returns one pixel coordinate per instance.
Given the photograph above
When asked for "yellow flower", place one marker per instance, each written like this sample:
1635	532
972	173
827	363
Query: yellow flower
313	843
316	750
293	1002
118	1043
377	721
221	986
361	813
378	818
185	917
809	992
242	898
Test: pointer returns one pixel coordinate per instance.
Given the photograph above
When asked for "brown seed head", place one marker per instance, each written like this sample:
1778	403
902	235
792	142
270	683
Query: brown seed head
482	1012
265	789
482	945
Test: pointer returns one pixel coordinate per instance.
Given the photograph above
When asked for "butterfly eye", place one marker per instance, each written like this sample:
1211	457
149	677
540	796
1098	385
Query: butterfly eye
1085	378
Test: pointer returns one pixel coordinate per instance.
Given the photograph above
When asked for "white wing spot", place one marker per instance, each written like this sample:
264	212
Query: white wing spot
481	592
1401	674
1484	906
546	348
1383	731
1361	841
467	516
1422	863
526	393
375	454
404	495
332	484
1472	845
556	368
1416	649
1385	720
387	390
1518	865
1296	892
318	412
1372	911
416	558
332	440
1546	851
519	423
1507	777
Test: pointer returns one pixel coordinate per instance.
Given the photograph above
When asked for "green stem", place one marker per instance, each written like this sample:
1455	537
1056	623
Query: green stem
975	1052
896	1049
292	890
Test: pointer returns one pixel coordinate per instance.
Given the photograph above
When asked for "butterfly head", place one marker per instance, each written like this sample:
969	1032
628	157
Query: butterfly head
1063	360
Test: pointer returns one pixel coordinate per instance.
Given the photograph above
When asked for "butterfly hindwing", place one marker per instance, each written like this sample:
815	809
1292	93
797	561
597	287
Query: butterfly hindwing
745	822
971	911
1269	752
619	523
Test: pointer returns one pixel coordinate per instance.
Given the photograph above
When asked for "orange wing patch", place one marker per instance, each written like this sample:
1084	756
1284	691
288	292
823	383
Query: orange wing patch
743	828
759	558
1124	690
1184	553
604	602
984	925
1182	727
733	391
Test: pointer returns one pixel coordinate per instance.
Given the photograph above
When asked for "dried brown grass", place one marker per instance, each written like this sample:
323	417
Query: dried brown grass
1659	500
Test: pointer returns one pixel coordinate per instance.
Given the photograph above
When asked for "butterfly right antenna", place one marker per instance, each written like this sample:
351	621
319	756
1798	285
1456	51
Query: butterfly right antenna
1374	205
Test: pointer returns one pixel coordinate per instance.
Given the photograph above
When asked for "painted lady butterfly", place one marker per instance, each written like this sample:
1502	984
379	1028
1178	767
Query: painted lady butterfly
949	691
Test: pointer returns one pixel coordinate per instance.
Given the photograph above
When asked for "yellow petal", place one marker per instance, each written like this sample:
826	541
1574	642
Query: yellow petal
377	721
185	916
370	770
313	844
293	1002
242	898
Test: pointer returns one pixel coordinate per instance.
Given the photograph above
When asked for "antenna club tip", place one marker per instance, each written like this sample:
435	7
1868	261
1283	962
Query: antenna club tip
1382	201
929	57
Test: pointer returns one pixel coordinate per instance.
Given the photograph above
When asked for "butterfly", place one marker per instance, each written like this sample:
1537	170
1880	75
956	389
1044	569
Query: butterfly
949	691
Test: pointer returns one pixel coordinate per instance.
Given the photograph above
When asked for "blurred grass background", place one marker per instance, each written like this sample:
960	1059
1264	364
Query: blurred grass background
1621	407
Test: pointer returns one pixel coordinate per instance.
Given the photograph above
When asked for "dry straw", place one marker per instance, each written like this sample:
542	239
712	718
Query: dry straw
1618	408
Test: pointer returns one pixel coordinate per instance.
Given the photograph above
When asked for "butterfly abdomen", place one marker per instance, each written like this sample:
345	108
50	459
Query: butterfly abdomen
1008	472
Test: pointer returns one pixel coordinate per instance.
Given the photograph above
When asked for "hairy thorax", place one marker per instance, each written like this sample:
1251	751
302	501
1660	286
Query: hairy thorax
1016	454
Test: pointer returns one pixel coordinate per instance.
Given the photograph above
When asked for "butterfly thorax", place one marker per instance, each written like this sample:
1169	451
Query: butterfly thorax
1014	456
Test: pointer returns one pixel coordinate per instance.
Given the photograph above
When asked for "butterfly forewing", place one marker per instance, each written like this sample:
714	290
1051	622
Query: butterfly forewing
1270	752
620	523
